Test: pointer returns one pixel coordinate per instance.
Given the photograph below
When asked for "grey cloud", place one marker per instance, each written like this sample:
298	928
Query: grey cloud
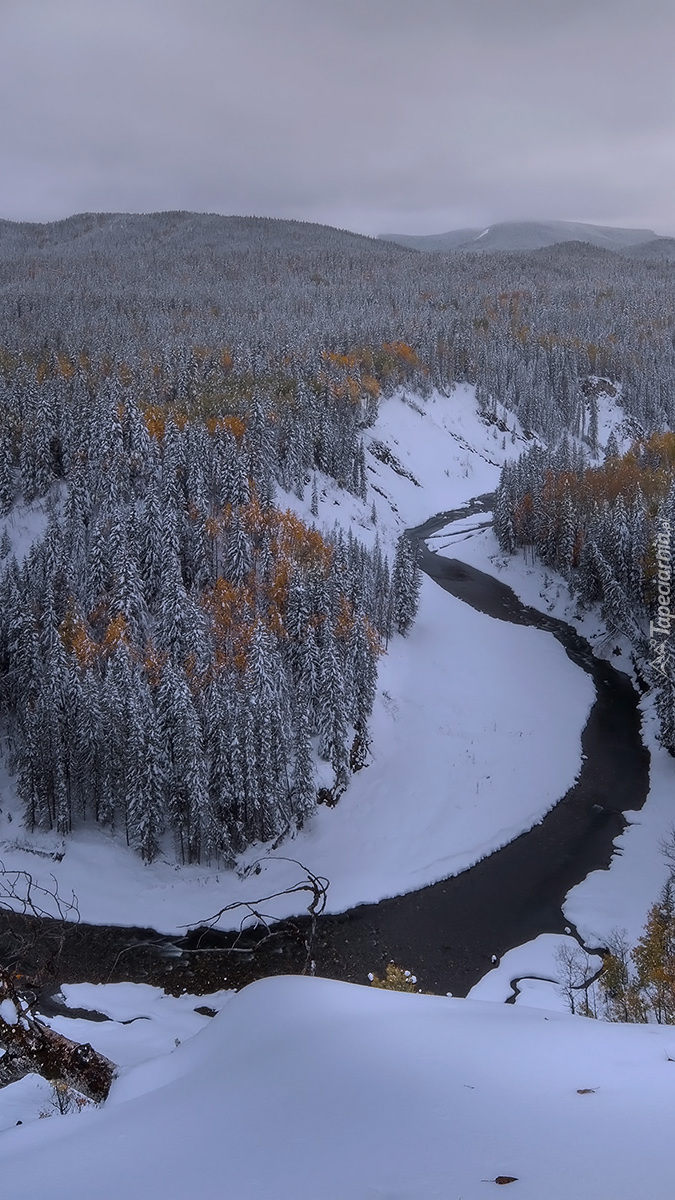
368	113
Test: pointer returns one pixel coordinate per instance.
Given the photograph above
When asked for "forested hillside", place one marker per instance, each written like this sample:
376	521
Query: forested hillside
194	304
608	530
176	647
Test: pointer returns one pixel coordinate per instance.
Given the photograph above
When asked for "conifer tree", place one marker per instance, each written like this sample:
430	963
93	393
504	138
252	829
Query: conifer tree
406	584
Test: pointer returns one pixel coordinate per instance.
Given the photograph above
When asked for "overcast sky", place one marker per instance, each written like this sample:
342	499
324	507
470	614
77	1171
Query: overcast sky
376	115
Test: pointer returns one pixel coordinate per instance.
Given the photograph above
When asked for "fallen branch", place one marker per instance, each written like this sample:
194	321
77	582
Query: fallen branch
31	1046
28	1044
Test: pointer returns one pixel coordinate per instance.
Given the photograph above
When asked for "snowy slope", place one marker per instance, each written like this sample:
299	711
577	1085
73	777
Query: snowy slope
461	760
304	1089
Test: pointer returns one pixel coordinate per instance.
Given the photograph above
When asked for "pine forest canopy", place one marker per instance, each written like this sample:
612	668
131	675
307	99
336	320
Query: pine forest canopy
153	291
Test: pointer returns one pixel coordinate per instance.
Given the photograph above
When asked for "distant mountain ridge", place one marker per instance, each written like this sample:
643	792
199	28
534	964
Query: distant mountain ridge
659	249
214	233
525	235
201	230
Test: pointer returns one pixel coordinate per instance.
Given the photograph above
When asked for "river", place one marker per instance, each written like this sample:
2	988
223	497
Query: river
448	933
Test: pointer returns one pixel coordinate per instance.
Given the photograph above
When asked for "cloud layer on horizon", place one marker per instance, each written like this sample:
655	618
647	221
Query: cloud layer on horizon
370	114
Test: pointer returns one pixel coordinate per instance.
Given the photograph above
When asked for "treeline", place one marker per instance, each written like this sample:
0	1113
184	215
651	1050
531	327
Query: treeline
608	530
175	649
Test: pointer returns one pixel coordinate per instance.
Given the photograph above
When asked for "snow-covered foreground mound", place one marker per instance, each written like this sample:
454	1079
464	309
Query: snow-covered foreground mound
313	1090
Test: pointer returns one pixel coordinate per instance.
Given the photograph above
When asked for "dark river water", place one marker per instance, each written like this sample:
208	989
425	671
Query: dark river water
448	932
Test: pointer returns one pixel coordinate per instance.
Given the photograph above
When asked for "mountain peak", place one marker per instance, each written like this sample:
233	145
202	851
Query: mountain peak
523	236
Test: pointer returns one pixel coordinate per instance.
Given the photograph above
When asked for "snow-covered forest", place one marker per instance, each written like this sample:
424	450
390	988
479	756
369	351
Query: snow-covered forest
606	528
177	646
213	433
197	307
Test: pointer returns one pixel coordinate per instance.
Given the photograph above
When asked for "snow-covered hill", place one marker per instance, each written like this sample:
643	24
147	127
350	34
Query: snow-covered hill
304	1088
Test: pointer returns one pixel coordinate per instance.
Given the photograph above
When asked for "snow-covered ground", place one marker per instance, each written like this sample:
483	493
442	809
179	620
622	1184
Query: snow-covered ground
468	747
144	1023
305	1088
24	524
532	975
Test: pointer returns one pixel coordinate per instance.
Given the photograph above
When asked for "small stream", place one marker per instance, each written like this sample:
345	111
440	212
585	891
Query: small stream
447	933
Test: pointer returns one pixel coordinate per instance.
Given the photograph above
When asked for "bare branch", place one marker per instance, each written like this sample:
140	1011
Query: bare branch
315	885
21	893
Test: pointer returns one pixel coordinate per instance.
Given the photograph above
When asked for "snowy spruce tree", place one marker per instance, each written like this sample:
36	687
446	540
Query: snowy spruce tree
406	584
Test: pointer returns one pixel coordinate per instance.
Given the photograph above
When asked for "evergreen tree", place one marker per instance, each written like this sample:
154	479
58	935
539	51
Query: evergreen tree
332	723
303	789
406	584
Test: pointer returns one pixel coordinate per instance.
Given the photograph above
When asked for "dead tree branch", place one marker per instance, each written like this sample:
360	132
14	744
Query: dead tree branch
29	1045
316	886
40	916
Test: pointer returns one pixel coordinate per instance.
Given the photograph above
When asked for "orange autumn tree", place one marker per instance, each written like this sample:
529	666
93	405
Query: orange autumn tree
76	637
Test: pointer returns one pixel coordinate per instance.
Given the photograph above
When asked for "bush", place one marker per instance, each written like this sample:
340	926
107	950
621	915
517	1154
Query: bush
395	980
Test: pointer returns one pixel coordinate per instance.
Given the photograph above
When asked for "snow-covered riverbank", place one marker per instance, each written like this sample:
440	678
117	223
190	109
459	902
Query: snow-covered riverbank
617	899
